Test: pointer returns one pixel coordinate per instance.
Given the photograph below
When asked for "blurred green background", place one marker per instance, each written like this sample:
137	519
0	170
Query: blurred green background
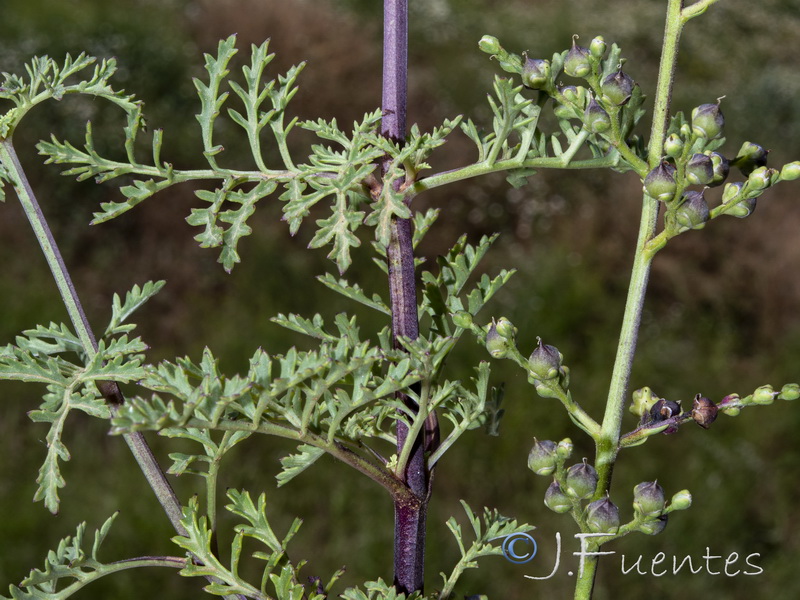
721	314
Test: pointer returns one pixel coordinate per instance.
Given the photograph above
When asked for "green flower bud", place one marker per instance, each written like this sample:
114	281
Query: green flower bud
655	526
761	178
731	192
598	47
496	344
564	449
556	500
595	118
704	411
577	62
721	168
790	391
750	157
699	170
707	121
581	481
673	145
681	501
562	111
462	319
728	405
660	182
544	362
618	87
764	395
790	171
693	213
506	328
489	44
536	73
602	516
743	208
542	458
643	401
571	93
648	498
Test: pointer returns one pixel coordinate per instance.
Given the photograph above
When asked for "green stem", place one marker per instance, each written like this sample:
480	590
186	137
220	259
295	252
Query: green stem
608	443
115	567
136	442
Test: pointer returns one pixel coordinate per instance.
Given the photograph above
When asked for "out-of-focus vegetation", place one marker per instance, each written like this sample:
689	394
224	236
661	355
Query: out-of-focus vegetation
722	313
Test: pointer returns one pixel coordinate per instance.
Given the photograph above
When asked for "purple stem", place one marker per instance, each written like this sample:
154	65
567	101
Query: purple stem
410	510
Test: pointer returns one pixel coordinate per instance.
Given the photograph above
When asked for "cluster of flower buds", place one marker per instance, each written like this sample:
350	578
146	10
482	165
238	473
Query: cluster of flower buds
691	159
500	337
650	506
732	404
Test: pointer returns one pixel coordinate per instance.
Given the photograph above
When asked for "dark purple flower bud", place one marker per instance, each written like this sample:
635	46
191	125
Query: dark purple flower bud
595	118
536	73
577	62
556	500
602	516
750	157
544	362
660	182
663	410
693	213
542	458
721	167
704	411
618	87
581	481
699	169
707	121
648	498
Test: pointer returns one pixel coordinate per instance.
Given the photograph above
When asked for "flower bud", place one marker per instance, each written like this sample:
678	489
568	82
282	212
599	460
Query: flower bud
618	87
693	213
643	401
750	157
790	391
536	73
790	171
577	63
595	118
731	191
743	208
556	500
489	44
544	362
728	405
764	395
648	498
598	47
581	481
699	169
704	411
655	526
506	328
721	167
660	182
761	178
673	145
542	458
663	410
564	449
496	344
462	319
571	93
602	516
681	501
707	121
